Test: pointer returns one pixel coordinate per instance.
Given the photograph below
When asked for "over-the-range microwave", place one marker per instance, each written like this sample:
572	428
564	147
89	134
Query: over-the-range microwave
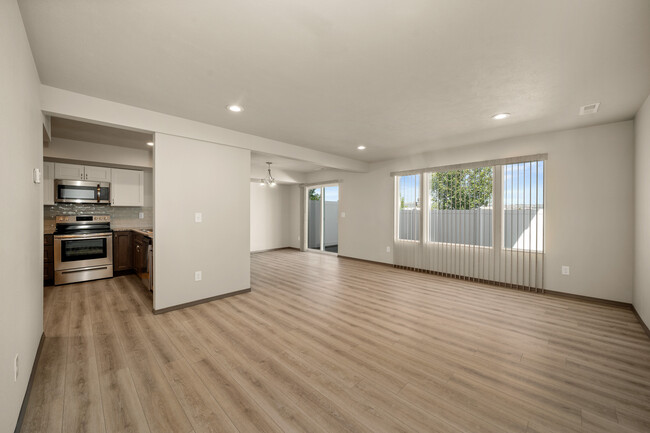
81	191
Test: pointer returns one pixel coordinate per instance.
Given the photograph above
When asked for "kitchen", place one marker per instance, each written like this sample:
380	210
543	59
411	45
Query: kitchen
98	203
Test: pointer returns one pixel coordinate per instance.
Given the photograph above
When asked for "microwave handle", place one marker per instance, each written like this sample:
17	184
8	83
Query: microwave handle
99	193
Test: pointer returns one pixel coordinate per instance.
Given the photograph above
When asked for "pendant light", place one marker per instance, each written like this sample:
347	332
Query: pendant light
269	179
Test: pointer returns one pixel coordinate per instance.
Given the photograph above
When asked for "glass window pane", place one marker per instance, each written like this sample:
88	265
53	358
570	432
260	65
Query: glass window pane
462	199
331	219
523	206
313	218
409	207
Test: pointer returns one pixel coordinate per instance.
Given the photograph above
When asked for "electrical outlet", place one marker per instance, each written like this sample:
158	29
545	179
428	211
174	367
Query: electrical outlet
16	360
388	249
197	276
198	217
342	214
141	215
565	270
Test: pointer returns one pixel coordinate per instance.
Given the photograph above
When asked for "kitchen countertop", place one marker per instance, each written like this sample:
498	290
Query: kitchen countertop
50	230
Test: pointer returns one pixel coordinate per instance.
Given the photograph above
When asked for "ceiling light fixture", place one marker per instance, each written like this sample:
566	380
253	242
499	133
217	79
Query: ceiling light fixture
501	116
235	108
362	147
269	179
149	143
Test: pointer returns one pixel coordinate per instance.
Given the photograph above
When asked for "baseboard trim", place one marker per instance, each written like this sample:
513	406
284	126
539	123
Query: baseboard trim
643	325
274	249
365	260
32	375
200	301
600	301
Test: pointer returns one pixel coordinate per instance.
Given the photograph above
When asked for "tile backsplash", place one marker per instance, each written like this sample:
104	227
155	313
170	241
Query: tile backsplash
121	217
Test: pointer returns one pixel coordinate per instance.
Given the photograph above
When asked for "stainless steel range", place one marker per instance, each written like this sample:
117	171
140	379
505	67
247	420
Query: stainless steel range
83	248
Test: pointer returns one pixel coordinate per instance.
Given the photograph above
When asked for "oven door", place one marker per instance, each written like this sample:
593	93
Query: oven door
78	191
81	251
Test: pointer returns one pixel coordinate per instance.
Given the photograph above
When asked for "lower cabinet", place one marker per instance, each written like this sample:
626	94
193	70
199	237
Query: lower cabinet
140	244
122	251
48	259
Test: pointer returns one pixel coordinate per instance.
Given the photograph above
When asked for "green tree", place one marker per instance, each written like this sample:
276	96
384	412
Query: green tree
461	189
314	194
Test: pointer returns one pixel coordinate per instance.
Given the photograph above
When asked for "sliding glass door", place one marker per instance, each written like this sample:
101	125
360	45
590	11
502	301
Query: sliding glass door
322	218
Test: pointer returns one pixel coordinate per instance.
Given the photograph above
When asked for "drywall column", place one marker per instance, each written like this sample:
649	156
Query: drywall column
198	177
642	212
21	218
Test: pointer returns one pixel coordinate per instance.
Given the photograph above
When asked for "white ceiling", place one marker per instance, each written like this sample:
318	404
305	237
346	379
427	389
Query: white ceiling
90	132
400	76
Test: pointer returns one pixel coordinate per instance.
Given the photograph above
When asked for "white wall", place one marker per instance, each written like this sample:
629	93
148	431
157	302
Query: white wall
642	213
587	168
273	215
21	217
61	148
197	176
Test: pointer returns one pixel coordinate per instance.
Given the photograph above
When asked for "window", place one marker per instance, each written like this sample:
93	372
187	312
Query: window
482	221
461	206
523	206
410	210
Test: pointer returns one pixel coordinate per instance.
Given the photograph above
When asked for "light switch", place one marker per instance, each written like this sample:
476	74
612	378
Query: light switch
37	175
342	214
198	217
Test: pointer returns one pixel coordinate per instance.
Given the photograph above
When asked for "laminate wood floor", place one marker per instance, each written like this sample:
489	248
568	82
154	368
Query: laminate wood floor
325	344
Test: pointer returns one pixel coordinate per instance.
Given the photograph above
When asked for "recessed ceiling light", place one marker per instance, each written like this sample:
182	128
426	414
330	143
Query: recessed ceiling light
150	143
501	116
235	108
362	147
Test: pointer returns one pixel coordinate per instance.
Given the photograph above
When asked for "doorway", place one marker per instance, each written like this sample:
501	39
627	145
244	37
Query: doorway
322	218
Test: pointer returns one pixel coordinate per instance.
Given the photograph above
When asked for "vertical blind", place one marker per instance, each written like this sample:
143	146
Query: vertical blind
481	223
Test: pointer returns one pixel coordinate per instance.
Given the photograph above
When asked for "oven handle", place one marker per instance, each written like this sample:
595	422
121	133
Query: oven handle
84	269
86	236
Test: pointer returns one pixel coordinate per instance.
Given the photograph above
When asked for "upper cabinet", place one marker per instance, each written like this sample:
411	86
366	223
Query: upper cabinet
97	174
127	187
48	183
82	172
69	171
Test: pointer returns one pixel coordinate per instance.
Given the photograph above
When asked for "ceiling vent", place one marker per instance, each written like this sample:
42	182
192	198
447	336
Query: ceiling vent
589	108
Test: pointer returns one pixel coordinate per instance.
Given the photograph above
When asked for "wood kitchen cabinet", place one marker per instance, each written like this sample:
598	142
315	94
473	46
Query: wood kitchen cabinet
122	251
81	172
48	259
140	245
127	187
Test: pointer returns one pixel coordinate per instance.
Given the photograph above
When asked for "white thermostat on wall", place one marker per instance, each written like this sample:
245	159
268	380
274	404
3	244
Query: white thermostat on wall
37	175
